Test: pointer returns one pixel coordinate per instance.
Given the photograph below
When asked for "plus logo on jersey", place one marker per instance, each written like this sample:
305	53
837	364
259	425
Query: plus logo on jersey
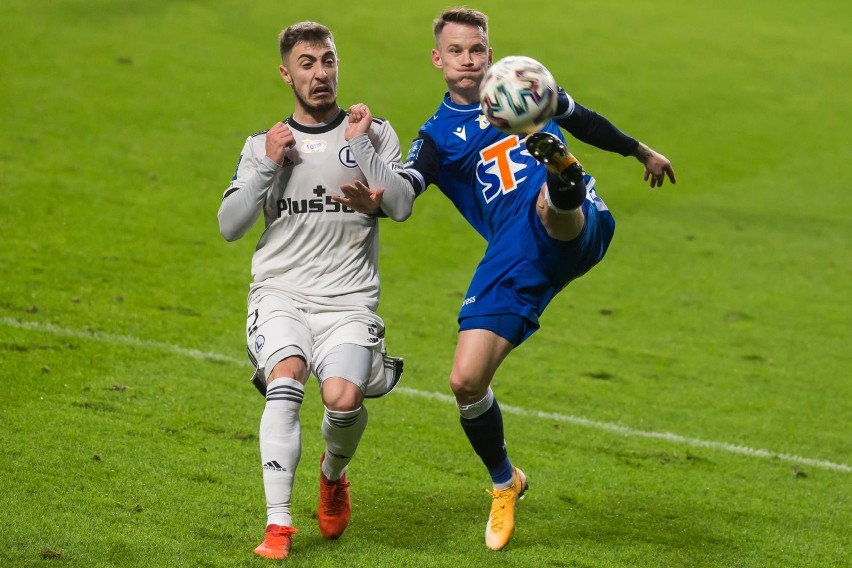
500	166
321	204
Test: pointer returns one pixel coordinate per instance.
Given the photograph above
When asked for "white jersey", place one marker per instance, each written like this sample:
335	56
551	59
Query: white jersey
318	252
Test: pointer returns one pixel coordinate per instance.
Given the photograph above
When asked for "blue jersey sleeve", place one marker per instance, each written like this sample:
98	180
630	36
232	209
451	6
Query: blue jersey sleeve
588	126
422	165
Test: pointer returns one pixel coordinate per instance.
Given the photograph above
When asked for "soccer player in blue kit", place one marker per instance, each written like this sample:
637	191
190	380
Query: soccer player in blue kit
534	205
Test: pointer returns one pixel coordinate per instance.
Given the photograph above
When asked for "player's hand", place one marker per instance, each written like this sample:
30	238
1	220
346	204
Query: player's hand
360	197
657	166
278	140
359	121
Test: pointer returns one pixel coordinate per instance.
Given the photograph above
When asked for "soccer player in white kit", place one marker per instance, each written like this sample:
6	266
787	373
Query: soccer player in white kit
312	303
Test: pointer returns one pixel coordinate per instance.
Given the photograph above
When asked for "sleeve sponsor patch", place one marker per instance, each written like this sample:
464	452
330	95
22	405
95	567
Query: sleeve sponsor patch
413	151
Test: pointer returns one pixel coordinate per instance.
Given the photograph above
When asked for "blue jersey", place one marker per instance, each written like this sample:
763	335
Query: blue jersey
494	182
488	175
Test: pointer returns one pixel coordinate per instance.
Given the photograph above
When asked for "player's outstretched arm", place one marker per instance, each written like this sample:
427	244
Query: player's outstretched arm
657	166
360	197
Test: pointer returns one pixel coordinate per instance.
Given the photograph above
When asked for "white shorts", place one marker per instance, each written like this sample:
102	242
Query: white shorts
276	328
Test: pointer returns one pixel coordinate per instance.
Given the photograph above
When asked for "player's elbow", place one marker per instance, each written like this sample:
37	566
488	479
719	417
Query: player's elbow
229	231
230	237
400	214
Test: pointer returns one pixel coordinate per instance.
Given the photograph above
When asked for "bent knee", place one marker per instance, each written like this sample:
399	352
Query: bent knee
340	395
468	387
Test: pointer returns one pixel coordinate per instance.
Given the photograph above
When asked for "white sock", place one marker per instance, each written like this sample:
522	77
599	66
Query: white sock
280	446
478	408
341	431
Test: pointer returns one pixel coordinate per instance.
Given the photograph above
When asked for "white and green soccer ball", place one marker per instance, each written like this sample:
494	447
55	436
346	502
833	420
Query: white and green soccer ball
518	95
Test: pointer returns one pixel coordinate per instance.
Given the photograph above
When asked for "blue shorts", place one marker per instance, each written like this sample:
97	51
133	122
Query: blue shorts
524	268
511	327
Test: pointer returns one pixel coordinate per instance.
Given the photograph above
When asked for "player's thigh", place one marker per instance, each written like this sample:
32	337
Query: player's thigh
559	225
479	353
343	374
276	331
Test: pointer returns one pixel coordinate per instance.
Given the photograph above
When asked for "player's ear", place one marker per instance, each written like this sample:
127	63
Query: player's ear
436	59
285	75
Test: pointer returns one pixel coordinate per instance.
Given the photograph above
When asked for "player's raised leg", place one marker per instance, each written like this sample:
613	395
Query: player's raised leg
568	190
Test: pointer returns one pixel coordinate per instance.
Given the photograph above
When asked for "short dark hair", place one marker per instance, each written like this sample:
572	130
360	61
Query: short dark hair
308	32
464	16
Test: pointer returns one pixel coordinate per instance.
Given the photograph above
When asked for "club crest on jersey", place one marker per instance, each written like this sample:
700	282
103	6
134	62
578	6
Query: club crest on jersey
483	122
312	146
500	167
259	342
347	158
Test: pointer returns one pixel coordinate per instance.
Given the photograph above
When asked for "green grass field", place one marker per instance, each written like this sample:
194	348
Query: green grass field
686	404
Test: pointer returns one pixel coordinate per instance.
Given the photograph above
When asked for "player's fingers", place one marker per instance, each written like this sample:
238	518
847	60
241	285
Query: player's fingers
670	173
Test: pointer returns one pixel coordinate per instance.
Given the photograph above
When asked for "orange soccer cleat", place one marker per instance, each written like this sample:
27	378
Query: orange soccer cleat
277	543
335	508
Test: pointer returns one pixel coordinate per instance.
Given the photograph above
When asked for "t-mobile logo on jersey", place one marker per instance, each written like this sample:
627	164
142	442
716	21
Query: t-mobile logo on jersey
321	204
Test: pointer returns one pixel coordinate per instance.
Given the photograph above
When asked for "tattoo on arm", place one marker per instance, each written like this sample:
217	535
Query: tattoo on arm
642	153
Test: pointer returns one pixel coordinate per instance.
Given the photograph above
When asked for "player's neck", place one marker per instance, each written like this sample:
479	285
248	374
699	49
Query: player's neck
313	116
464	97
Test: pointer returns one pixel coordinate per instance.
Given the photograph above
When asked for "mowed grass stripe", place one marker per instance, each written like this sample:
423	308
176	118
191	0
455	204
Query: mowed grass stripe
557	417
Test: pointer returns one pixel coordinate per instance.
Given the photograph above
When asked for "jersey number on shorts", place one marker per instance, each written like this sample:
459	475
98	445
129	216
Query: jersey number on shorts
252	322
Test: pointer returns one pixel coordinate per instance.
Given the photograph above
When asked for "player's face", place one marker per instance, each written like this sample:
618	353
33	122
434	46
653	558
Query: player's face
311	70
462	53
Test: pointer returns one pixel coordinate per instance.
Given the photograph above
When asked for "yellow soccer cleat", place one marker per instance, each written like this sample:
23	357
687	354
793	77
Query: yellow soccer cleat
548	149
501	521
277	543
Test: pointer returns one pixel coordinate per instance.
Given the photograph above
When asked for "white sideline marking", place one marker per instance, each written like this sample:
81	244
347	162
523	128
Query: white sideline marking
626	431
118	340
566	418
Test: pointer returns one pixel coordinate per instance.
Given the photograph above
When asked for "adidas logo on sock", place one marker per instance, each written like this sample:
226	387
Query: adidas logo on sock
274	466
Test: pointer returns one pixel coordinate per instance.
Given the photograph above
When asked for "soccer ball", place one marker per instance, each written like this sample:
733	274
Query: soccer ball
518	95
